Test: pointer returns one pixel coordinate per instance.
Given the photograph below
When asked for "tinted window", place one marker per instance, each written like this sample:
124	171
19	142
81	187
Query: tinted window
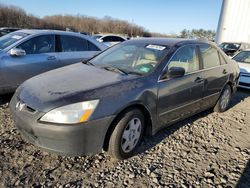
112	39
118	39
107	39
186	57
73	44
92	47
210	56
38	45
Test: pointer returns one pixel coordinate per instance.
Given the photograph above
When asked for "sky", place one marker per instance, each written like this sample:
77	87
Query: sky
163	16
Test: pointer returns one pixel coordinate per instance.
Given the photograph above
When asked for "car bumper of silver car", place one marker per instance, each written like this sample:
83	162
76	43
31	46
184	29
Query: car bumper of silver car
244	80
69	140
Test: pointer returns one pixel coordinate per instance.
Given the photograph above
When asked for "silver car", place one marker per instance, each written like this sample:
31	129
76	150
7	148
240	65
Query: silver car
26	53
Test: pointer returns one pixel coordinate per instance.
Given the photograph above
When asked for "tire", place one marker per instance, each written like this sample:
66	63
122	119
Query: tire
127	134
224	100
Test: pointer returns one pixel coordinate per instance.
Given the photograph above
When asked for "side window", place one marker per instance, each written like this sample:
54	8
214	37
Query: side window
92	47
39	44
210	56
73	44
187	58
107	39
118	39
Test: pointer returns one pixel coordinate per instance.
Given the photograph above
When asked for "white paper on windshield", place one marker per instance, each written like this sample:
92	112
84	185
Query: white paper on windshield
155	47
16	37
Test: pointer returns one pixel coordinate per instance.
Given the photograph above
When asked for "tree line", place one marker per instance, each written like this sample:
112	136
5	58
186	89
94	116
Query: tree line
198	34
12	16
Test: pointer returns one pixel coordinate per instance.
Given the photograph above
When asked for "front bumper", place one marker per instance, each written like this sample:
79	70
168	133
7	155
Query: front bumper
70	140
244	81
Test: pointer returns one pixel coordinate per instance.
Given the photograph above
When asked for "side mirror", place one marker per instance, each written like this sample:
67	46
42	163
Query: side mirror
17	52
175	72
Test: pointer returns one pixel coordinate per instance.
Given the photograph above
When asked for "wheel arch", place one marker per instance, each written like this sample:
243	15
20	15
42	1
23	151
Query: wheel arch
230	83
139	106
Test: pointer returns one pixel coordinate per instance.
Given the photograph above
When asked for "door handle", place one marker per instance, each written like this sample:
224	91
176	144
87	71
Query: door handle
224	71
199	80
51	58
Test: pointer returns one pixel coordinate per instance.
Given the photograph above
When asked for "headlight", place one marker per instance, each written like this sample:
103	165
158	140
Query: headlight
71	114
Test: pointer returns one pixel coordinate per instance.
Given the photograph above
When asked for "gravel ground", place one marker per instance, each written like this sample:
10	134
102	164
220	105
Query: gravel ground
206	150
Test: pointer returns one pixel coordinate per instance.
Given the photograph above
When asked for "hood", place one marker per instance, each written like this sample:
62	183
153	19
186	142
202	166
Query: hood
244	67
66	85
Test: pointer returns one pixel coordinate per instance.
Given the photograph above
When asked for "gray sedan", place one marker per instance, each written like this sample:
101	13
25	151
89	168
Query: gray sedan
26	53
132	89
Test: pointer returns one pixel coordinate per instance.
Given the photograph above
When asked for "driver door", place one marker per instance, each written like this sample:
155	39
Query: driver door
180	97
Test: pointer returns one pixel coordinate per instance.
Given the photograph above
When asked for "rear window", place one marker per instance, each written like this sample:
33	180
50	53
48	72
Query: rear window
112	39
92	47
210	56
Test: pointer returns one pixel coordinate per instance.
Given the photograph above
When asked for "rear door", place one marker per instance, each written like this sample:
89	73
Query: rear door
40	57
215	72
75	49
180	97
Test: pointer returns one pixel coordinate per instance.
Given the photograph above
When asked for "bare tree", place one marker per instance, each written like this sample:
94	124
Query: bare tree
198	33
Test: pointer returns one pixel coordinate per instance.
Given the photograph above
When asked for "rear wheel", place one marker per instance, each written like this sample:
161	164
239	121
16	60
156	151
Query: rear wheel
127	134
224	100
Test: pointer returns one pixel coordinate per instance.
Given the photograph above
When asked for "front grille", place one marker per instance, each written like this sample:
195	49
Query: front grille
29	109
21	106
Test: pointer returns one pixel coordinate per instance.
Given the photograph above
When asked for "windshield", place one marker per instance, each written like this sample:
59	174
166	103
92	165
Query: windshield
229	46
132	58
7	40
243	57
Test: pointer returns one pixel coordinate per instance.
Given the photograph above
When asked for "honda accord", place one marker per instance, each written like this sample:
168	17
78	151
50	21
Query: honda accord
111	101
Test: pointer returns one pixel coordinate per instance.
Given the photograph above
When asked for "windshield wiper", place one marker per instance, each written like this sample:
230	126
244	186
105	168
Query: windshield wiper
88	63
134	72
115	69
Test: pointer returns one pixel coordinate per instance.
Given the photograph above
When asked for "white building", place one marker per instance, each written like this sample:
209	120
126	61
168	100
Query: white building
234	22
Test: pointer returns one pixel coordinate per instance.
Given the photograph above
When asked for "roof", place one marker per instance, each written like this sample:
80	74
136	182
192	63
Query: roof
5	28
58	32
165	41
234	43
41	31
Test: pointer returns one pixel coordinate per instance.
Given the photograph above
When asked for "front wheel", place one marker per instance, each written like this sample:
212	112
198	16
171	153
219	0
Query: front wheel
127	134
224	100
